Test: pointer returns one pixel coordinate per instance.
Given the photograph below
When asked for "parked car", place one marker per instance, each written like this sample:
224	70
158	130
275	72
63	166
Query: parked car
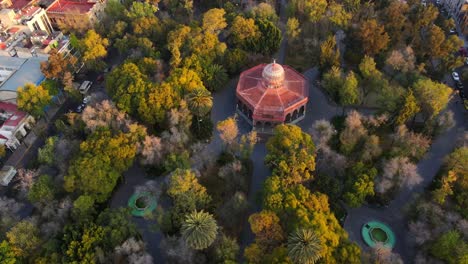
86	99
80	108
453	31
459	85
455	76
85	87
6	175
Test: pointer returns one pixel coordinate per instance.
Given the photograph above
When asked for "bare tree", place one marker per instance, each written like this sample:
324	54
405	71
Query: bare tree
371	148
384	255
176	250
134	251
103	114
25	180
202	156
410	144
9	209
420	232
402	60
398	172
322	131
330	162
151	150
353	132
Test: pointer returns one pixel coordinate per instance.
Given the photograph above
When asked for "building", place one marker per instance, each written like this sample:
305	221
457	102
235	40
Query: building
28	33
71	12
16	72
13	125
271	94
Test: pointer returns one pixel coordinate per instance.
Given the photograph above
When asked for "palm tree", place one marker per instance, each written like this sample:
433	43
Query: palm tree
216	77
199	230
200	103
304	246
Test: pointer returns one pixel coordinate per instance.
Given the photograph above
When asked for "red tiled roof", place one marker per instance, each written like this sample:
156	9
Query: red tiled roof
19	4
27	11
272	103
62	6
16	117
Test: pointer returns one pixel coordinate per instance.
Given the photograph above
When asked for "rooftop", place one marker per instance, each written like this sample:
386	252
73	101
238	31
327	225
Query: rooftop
15	116
19	4
62	6
272	89
28	72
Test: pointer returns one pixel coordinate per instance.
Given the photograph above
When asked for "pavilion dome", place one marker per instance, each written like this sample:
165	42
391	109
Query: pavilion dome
273	75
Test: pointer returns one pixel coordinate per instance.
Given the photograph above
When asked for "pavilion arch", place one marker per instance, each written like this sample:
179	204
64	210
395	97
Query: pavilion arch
268	125
288	118
302	110
294	115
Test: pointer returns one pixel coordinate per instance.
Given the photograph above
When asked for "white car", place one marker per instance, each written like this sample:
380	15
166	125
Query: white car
87	99
455	76
85	87
6	175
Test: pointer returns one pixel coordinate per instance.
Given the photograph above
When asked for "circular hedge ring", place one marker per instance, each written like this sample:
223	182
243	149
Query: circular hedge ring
375	232
142	203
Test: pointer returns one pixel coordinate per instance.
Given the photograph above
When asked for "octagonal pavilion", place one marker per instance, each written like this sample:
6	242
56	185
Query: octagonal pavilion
271	94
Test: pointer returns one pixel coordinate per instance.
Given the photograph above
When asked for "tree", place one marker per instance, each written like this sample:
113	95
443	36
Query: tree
395	19
24	238
450	247
7	254
215	77
269	38
371	148
226	249
103	157
33	99
94	48
359	184
431	96
267	229
398	172
199	230
349	93
409	110
200	102
293	29
127	86
243	30
373	37
42	190
140	10
291	154
372	77
46	154
9	214
333	82
214	21
329	54
311	10
264	11
407	143
228	132
338	15
402	60
354	131
57	65
304	246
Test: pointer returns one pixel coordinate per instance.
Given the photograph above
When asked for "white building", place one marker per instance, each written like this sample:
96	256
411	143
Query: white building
13	125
